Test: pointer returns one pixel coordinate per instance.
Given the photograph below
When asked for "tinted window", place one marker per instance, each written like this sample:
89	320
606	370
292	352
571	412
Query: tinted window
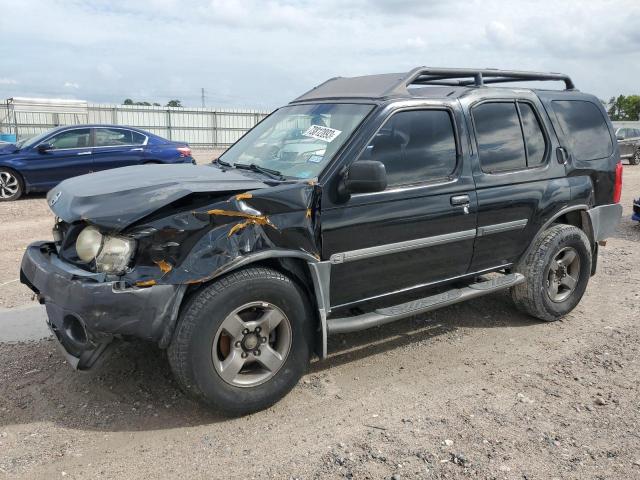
585	129
534	138
415	146
71	139
500	143
109	137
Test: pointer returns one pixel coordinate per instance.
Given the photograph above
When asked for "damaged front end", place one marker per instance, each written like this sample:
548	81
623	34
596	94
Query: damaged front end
123	261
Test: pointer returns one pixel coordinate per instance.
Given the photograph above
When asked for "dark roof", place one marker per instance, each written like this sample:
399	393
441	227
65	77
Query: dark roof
389	85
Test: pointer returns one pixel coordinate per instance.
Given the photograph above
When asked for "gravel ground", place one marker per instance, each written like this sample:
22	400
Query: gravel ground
476	390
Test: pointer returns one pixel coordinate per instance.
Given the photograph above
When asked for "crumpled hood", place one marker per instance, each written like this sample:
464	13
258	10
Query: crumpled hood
7	148
116	198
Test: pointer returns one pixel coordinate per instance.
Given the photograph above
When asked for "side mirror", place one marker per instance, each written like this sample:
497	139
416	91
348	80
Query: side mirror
44	147
365	176
620	137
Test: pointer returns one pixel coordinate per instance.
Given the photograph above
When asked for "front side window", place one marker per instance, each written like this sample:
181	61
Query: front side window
585	129
500	141
111	137
415	146
298	140
80	138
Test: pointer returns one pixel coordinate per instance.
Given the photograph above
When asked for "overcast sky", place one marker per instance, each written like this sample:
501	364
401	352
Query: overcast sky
261	54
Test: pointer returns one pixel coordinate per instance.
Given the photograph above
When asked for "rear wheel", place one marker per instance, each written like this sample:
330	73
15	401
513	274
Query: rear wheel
635	159
11	185
243	342
557	271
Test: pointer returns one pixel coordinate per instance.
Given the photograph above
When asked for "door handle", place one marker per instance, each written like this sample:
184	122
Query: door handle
136	150
85	153
562	156
460	200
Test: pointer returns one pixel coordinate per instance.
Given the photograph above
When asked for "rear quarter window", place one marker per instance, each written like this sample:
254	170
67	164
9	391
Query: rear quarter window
585	129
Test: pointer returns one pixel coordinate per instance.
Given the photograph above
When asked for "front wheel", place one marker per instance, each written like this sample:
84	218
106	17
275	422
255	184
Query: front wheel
243	342
11	185
635	159
557	271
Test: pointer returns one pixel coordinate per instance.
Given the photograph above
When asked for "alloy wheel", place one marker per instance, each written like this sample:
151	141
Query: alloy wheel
563	275
252	344
8	185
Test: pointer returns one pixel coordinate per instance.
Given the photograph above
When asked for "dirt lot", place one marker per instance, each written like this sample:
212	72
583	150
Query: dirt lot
472	391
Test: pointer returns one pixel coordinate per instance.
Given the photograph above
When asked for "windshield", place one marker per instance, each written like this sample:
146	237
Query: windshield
30	142
300	140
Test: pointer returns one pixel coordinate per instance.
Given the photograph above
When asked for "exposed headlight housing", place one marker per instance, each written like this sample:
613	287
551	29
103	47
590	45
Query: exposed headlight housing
89	244
111	253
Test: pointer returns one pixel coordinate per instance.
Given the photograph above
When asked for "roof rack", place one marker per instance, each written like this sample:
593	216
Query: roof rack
478	78
396	84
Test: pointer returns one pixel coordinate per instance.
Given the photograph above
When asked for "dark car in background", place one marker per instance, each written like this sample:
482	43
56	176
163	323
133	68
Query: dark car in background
38	164
629	144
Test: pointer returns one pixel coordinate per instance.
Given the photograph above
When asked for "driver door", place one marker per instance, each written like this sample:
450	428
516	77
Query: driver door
69	156
417	232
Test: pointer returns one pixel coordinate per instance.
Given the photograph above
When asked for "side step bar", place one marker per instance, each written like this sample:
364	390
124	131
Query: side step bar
397	312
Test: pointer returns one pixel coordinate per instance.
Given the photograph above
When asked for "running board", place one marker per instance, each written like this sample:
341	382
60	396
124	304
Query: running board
397	312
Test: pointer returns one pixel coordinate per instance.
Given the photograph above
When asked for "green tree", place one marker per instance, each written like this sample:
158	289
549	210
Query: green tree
624	107
174	103
127	101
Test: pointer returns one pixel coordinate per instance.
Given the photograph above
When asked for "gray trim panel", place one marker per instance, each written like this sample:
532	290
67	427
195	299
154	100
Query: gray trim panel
502	227
390	248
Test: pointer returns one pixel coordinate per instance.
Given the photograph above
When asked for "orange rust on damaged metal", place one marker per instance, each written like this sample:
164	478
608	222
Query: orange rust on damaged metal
250	219
146	283
166	267
244	196
308	213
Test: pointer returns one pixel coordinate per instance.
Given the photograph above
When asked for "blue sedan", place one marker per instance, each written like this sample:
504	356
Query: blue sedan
40	163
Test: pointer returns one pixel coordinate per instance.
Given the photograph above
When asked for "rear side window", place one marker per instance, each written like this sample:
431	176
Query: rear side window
585	129
500	141
534	138
509	135
111	137
415	146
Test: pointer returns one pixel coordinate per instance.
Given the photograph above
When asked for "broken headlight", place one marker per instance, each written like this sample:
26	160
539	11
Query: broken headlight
111	253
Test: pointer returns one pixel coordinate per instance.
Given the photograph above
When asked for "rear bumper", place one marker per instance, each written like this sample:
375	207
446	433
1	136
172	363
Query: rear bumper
86	312
604	220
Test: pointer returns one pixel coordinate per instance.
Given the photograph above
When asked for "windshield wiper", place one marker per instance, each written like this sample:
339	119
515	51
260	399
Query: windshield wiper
256	168
223	163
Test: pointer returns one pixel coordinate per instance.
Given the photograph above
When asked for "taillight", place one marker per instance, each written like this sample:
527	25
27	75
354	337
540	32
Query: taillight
617	189
184	151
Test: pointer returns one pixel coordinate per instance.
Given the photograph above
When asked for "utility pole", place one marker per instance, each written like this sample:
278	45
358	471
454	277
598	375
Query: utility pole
202	97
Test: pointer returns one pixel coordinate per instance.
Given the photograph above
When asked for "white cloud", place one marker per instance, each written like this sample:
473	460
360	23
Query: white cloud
264	52
71	85
416	42
8	81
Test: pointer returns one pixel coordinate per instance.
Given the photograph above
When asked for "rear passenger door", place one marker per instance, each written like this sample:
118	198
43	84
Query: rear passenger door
117	147
420	229
516	173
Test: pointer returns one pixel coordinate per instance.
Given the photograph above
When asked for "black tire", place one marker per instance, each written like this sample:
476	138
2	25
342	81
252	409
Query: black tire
7	195
190	352
635	158
533	296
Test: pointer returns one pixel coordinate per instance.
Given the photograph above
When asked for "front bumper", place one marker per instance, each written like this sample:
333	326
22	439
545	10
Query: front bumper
86	311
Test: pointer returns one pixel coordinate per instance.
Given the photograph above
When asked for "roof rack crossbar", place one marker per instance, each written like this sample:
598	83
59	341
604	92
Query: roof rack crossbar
461	77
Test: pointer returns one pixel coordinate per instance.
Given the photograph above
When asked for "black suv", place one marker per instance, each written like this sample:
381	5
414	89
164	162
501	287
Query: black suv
364	201
629	144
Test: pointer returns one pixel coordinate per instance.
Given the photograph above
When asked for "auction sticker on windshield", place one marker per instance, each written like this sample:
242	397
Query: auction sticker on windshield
322	133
